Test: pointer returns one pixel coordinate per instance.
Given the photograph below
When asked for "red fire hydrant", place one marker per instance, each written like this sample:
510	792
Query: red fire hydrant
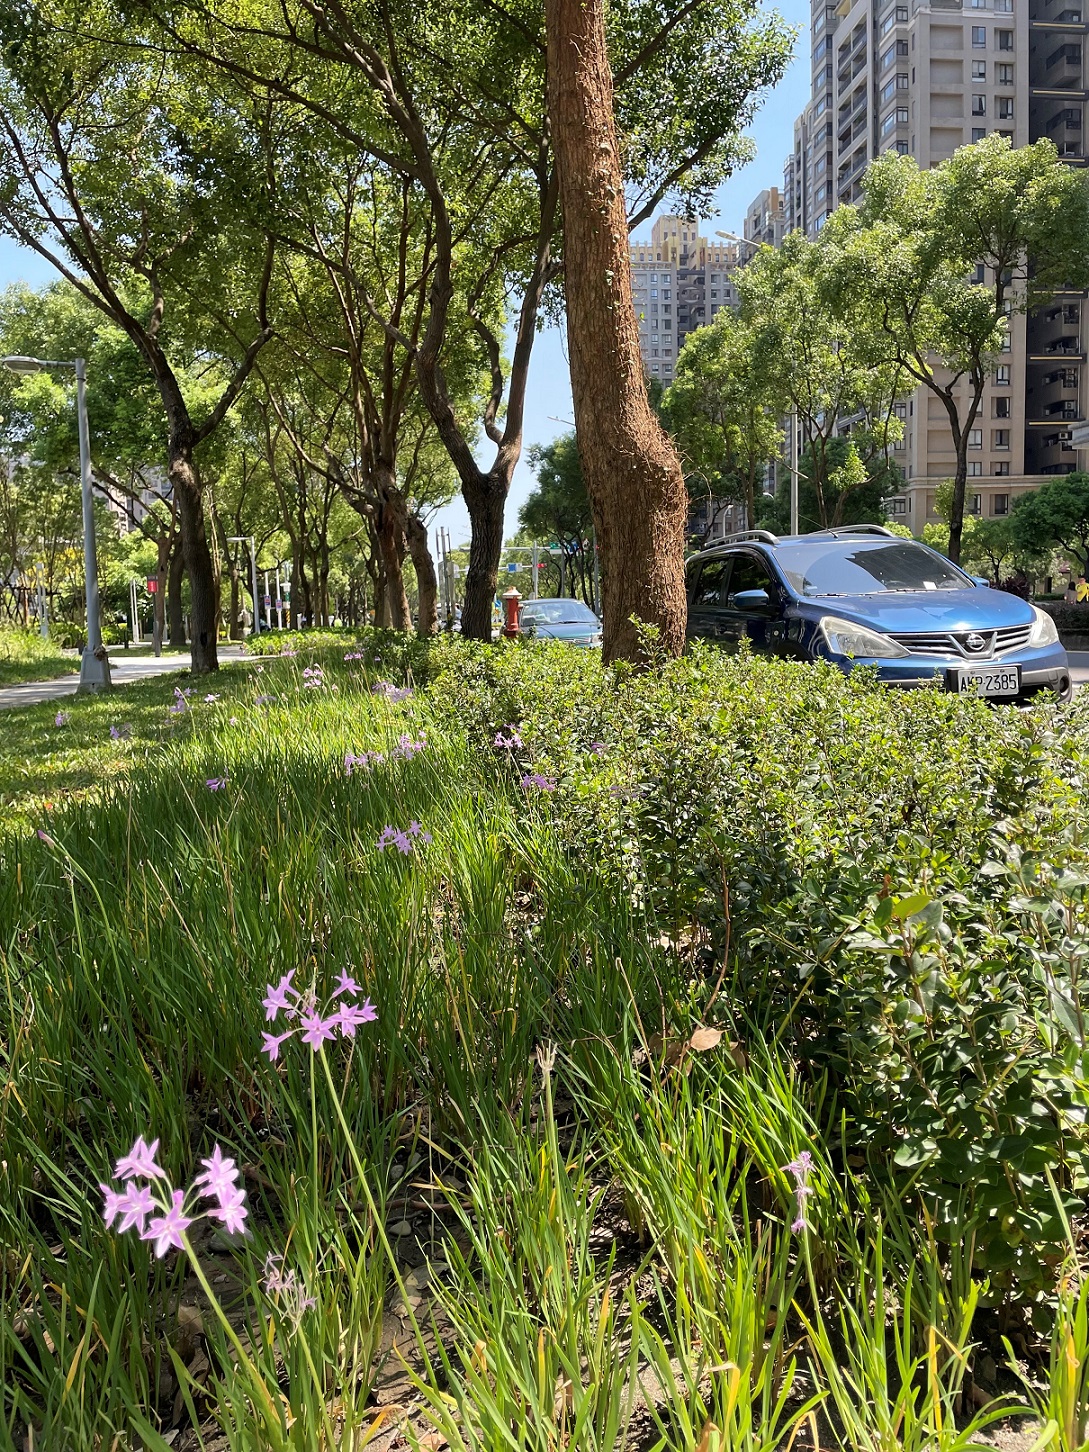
511	601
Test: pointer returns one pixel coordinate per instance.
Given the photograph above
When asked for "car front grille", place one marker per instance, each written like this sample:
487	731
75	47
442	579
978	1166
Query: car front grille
995	642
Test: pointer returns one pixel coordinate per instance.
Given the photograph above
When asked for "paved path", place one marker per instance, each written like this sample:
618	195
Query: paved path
1079	667
135	668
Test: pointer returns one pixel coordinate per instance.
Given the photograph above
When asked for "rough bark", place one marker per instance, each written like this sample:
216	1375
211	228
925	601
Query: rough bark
203	594
175	614
427	581
633	475
389	527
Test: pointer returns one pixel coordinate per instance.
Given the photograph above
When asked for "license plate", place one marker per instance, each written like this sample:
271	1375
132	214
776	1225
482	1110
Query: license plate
986	680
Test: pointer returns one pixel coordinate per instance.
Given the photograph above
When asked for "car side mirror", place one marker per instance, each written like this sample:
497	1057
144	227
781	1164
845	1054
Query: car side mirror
979	580
753	602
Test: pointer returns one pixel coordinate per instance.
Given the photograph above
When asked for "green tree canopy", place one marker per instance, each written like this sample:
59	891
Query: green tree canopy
558	511
1055	514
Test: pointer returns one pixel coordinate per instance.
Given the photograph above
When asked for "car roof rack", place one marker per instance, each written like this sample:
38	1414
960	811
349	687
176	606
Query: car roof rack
761	534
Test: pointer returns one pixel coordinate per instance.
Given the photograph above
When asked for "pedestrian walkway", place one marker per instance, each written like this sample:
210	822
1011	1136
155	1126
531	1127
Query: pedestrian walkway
122	671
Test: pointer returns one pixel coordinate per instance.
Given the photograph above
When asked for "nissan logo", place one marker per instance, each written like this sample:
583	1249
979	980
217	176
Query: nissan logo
975	641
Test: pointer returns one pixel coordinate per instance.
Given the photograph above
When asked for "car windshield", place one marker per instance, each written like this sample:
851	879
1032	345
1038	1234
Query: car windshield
872	567
559	612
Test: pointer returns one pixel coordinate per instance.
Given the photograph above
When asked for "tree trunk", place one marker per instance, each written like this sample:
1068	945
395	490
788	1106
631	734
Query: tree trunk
391	545
485	500
203	601
174	596
158	630
427	582
235	630
633	475
960	489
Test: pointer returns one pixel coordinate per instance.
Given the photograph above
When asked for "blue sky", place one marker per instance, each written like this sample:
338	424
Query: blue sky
548	403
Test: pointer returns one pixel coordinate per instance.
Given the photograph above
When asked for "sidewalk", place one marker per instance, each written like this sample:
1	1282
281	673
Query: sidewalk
122	671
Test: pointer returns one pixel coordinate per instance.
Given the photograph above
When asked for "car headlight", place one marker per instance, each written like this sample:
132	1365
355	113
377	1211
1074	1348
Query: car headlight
843	638
1043	629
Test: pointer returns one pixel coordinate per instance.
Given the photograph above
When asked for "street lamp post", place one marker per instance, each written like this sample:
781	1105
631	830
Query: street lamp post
794	440
249	539
94	669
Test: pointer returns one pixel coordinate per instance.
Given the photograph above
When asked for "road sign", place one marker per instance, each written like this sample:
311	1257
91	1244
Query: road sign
153	586
268	602
513	567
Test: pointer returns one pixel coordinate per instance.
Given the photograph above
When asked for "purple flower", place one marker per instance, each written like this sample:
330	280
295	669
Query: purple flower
406	748
294	1302
509	742
136	1204
542	783
177	708
355	655
345	984
139	1163
264	700
313	677
395	837
61	718
289	650
216	783
46	838
277	999
350	1015
366	759
231	1210
390	691
219	1176
801	1169
210	697
317	1029
120	733
272	1042
597	747
167	1231
115	1204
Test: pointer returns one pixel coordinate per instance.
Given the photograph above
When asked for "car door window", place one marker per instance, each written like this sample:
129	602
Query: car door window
750	573
709	591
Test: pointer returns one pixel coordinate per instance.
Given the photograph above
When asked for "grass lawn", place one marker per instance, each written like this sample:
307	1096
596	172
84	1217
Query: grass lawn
25	656
686	1060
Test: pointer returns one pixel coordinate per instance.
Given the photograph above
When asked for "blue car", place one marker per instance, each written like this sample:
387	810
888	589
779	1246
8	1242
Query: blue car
568	620
861	595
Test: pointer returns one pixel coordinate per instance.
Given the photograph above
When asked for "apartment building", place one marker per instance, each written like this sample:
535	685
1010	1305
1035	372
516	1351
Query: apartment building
679	282
923	79
765	219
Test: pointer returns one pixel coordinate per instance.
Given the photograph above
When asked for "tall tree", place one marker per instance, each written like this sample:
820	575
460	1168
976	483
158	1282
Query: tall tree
452	100
632	472
125	172
722	412
559	509
908	259
1056	514
808	355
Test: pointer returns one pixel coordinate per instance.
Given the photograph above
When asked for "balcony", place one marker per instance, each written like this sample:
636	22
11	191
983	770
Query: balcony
1063	66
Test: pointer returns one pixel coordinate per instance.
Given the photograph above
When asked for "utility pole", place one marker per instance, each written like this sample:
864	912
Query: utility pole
794	464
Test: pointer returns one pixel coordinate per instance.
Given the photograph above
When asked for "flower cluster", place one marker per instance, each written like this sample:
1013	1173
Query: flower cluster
301	1008
134	1207
288	650
210	698
313	678
216	783
800	1169
536	781
406	748
390	691
510	742
286	1286
597	747
393	837
264	700
120	733
61	718
362	760
355	655
181	701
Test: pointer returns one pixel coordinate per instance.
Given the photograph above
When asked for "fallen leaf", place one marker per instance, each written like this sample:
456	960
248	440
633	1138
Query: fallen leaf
702	1040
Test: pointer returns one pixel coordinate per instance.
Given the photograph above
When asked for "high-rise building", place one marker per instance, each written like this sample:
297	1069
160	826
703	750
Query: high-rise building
679	282
765	220
923	79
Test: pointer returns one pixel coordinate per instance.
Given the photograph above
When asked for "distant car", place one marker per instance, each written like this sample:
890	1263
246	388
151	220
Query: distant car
568	620
861	595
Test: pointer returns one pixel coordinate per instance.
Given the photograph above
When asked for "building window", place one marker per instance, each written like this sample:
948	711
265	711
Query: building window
1007	340
1004	7
1000	438
902	148
654	352
1001	408
975	504
975	468
979	70
654	292
1003	40
979	37
975	438
978	133
1005	108
979	105
1003	74
1002	375
654	277
902	82
654	368
896	506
